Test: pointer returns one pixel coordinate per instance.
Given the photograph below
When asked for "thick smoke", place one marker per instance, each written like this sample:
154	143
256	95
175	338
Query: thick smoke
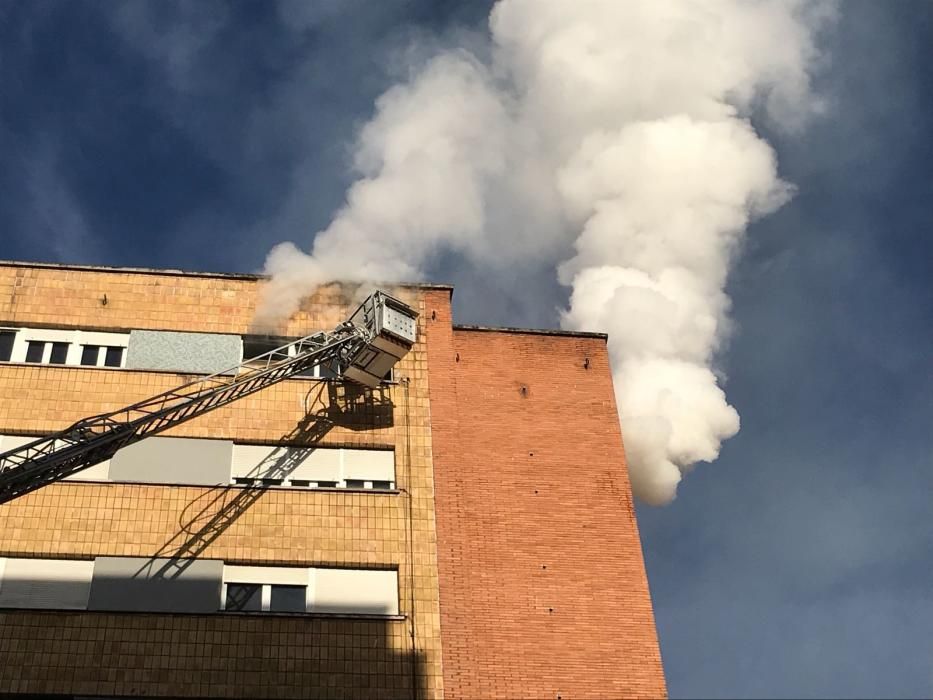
619	130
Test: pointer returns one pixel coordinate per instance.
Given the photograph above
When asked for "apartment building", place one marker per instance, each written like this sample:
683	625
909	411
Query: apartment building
466	530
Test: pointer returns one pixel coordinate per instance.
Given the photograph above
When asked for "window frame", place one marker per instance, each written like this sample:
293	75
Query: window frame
266	577
76	341
12	332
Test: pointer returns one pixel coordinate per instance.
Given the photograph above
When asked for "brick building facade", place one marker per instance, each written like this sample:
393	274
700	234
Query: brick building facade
465	531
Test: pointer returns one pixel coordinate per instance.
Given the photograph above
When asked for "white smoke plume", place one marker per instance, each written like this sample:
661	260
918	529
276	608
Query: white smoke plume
617	129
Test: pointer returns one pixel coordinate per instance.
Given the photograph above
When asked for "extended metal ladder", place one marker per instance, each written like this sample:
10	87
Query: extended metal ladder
97	438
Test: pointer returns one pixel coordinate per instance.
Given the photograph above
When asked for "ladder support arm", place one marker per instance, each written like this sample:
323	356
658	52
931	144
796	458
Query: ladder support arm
97	438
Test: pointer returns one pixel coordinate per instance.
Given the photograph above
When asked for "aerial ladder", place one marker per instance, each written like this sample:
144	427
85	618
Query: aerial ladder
362	349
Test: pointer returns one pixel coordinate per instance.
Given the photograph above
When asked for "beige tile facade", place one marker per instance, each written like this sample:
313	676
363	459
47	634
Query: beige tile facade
223	655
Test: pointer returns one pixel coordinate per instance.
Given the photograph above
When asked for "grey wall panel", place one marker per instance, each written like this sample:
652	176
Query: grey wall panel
174	461
140	584
45	583
203	353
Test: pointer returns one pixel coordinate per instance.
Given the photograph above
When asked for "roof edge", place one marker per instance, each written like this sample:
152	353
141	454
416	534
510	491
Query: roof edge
532	331
171	272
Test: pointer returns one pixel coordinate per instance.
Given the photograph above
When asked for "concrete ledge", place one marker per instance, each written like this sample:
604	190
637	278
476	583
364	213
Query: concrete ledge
531	331
246	276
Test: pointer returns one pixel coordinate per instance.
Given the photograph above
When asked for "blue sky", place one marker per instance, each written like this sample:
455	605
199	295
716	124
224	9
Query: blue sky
199	135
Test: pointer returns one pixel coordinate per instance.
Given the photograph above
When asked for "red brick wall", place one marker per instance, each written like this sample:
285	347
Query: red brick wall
543	590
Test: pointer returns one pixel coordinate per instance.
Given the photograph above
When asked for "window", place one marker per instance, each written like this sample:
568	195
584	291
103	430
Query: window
265	588
114	357
288	599
59	354
34	351
268	597
56	346
137	584
210	462
279	589
243	597
89	355
6	345
326	372
314	467
255	345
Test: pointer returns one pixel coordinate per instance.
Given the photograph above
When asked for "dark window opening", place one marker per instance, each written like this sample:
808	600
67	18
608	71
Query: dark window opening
59	353
255	345
300	482
270	482
327	372
243	597
327	484
287	599
6	345
383	485
355	483
89	355
244	480
307	372
114	357
34	351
